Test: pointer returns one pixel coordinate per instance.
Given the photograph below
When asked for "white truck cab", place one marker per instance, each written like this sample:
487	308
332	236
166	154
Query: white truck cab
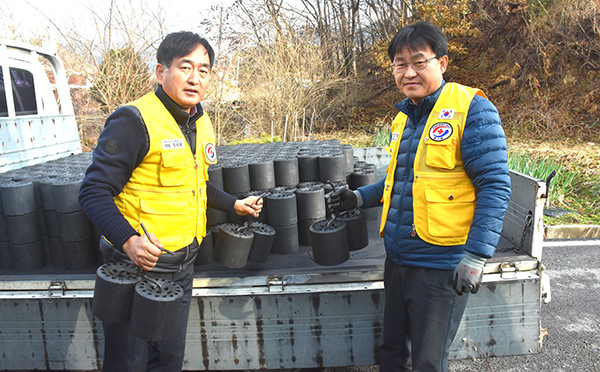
37	122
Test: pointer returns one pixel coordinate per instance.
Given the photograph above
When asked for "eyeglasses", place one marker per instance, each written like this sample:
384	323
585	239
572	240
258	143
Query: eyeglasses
418	65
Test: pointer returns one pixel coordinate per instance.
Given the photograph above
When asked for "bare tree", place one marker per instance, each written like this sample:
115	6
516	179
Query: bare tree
283	73
385	17
117	58
223	98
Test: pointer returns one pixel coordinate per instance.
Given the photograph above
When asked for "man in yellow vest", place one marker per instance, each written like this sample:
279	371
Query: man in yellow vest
150	170
444	198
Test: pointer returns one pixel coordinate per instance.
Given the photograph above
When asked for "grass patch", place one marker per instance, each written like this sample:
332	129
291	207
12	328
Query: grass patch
575	188
562	183
382	137
264	138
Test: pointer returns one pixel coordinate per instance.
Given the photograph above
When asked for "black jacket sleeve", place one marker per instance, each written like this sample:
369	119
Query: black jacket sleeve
121	147
219	199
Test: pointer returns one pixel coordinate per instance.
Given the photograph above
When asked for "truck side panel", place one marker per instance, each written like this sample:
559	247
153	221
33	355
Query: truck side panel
503	318
294	328
50	334
33	140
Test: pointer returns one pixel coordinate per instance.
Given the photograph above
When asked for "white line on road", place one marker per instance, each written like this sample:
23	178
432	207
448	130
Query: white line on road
571	243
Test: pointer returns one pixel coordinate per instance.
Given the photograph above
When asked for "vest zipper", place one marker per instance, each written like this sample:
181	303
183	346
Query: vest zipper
408	164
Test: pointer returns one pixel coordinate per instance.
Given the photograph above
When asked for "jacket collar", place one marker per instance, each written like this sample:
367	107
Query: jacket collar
180	116
425	105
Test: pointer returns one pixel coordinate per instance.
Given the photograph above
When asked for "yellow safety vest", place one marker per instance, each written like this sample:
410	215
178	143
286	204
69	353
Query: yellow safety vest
443	195
167	191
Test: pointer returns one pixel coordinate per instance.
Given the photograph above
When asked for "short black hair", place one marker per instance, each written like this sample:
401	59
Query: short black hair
180	44
419	35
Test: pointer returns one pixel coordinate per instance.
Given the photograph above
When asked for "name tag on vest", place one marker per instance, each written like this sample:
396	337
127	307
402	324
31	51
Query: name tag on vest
172	144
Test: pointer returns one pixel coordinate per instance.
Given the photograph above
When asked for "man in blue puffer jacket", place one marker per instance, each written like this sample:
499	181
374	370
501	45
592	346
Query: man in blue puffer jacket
444	200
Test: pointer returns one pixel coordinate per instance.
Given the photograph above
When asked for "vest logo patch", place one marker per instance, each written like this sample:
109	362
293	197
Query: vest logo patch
172	144
447	114
210	152
440	131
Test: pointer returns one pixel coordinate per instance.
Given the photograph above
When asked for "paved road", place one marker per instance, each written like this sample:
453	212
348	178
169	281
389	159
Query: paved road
572	317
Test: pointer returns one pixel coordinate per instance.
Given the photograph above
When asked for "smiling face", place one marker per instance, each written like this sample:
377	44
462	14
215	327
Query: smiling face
418	84
187	78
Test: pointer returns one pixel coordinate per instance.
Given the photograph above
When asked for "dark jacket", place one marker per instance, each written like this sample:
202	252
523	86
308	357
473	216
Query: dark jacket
121	147
483	149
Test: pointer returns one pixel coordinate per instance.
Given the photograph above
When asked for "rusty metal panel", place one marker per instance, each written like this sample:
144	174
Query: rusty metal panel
503	318
287	330
48	334
325	325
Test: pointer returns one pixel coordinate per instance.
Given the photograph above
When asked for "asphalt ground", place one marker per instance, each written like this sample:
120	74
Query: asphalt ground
571	318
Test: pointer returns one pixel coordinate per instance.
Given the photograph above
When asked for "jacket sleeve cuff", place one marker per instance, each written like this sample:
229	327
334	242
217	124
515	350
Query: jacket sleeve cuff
473	259
120	235
359	198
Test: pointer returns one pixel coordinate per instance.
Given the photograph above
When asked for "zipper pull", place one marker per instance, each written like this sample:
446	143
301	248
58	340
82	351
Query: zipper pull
413	233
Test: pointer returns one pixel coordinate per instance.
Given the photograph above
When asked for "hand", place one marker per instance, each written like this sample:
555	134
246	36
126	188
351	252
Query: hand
143	250
252	205
468	274
342	200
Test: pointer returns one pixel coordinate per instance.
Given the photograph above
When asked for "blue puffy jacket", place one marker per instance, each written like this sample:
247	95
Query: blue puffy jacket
483	148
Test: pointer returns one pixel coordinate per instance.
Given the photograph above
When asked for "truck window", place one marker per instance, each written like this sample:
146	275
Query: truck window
3	106
23	92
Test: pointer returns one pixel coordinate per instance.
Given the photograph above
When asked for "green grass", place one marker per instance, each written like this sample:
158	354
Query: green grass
571	189
382	137
562	183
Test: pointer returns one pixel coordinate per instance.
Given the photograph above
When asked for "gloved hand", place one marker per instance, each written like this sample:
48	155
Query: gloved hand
468	273
342	200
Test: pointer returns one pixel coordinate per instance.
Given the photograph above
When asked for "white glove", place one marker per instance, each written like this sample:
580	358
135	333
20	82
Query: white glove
468	274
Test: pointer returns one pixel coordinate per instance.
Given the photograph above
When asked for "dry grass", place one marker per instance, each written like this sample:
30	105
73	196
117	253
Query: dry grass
572	154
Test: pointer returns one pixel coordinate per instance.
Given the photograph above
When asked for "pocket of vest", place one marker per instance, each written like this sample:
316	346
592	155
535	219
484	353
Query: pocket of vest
449	211
441	155
173	168
168	220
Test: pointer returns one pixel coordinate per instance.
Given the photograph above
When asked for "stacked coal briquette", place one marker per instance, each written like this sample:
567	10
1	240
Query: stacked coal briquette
42	224
294	179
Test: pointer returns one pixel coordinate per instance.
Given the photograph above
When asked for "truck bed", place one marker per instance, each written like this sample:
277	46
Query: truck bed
363	265
288	312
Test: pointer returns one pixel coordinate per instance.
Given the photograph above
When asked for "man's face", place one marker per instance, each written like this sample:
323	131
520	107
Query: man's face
416	83
186	80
